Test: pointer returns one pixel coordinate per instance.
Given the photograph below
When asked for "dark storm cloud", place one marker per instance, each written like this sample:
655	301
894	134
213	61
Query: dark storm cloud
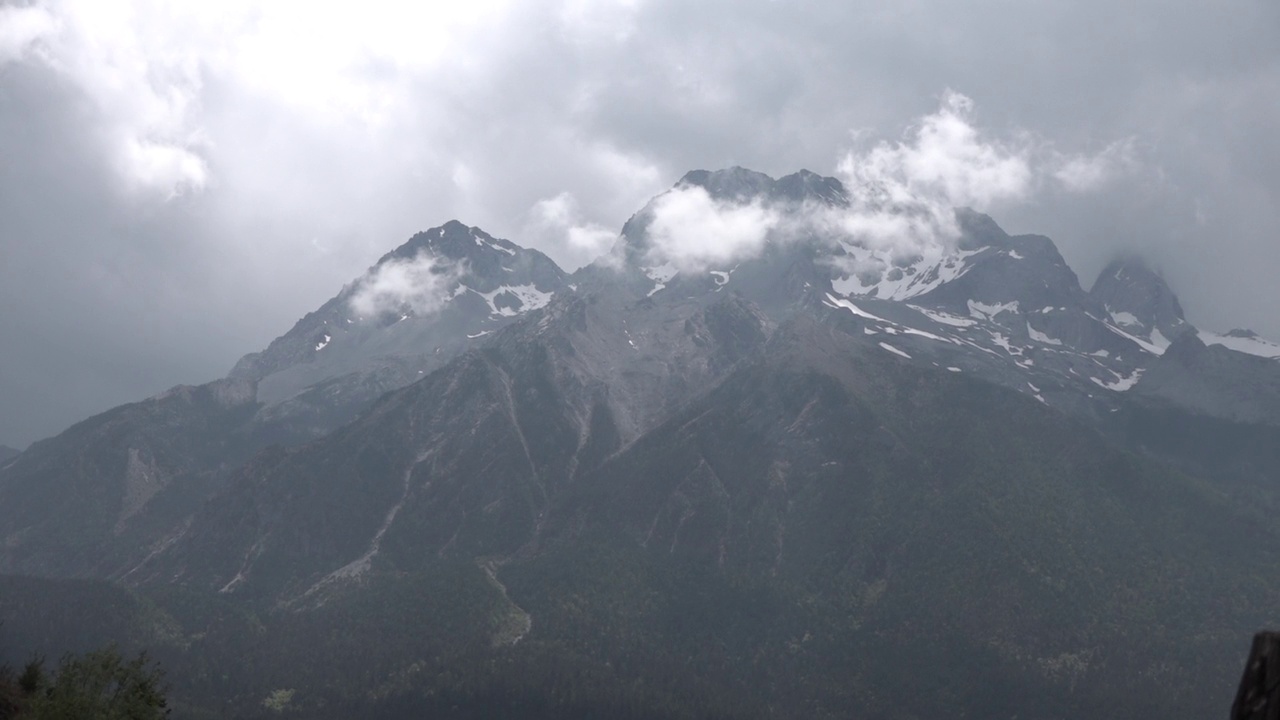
178	186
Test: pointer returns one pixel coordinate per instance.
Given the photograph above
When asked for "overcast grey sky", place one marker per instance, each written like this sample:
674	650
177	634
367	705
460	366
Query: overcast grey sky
180	182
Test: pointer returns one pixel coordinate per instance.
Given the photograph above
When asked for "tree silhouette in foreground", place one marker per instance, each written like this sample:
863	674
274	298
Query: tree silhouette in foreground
101	685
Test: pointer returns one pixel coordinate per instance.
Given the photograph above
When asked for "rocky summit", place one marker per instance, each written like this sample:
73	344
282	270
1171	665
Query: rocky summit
764	459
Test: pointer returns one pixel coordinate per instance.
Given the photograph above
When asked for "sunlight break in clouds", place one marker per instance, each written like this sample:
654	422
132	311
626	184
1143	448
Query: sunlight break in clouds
20	30
140	73
144	66
420	284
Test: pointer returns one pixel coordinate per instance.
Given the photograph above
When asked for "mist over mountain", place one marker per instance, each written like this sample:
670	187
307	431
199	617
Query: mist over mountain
786	448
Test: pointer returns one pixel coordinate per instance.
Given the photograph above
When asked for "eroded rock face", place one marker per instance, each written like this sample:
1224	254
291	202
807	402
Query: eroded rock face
471	461
142	480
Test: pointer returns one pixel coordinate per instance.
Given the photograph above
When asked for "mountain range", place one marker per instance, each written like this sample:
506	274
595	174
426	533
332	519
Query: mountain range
822	476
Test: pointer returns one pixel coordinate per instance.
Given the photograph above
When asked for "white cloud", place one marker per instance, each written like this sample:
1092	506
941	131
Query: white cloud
21	28
945	159
902	195
559	220
692	230
160	166
1084	173
566	225
421	284
343	61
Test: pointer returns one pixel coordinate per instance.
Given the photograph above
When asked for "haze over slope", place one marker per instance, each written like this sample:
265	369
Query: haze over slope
783	435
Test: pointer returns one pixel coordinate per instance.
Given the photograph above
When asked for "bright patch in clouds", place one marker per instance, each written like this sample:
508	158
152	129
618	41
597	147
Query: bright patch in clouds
344	59
140	67
146	66
21	28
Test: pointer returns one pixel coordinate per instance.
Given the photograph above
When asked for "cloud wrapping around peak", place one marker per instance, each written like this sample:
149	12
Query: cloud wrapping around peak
693	231
902	195
945	159
421	285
